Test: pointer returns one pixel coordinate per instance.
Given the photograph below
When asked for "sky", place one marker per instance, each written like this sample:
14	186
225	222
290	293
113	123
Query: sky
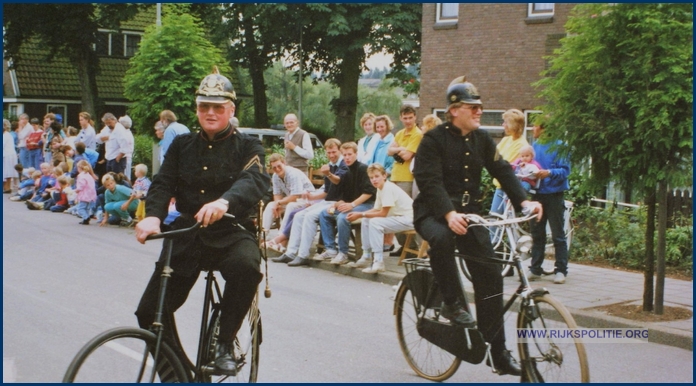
379	61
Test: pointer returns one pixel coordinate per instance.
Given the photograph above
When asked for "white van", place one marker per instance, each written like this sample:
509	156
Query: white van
270	137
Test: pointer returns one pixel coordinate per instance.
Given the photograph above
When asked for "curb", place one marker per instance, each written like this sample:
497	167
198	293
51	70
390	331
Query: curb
584	318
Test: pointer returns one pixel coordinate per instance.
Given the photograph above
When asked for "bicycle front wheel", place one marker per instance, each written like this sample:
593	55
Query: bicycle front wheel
426	359
125	355
246	348
546	359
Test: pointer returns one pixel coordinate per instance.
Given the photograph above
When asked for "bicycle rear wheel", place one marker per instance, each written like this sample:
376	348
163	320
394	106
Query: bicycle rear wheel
546	359
426	359
125	355
246	348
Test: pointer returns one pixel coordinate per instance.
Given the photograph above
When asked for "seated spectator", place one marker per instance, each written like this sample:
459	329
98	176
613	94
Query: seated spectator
59	199
86	191
304	225
71	139
392	213
140	187
118	201
358	196
57	155
28	186
101	192
289	184
41	195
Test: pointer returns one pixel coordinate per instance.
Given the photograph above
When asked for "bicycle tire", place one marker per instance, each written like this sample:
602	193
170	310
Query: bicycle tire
426	359
247	344
543	358
118	355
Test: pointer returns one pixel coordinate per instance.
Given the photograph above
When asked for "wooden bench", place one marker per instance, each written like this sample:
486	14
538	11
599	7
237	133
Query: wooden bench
406	248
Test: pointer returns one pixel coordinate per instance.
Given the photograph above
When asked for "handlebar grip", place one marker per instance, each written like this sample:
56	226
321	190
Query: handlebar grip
170	234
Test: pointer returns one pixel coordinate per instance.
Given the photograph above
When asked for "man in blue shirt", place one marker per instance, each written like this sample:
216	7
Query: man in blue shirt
554	181
172	128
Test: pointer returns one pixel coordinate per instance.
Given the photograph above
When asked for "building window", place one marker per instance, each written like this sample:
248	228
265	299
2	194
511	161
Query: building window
102	46
15	110
540	9
132	43
447	12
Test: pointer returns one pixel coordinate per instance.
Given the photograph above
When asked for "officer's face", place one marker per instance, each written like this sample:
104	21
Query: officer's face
467	117
349	156
214	117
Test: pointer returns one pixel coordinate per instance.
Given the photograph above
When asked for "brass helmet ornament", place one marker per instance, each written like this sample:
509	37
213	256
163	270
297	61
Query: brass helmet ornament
215	88
460	90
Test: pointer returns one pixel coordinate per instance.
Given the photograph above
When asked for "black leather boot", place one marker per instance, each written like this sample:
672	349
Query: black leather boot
456	313
225	363
505	364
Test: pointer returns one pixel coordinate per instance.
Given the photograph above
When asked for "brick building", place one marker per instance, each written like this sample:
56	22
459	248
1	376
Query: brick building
499	47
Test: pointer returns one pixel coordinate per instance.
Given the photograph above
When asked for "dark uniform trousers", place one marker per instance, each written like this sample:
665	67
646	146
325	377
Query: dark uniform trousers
238	264
486	278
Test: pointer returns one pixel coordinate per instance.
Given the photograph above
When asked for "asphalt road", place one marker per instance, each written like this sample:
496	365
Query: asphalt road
63	283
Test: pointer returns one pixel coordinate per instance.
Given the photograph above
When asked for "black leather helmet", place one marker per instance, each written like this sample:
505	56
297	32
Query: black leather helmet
215	88
460	90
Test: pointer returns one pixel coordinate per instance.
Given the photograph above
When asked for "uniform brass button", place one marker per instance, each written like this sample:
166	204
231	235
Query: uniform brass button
467	153
210	146
202	191
466	139
466	180
205	168
466	166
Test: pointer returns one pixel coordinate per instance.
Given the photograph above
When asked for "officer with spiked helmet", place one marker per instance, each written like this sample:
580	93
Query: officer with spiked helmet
448	173
215	171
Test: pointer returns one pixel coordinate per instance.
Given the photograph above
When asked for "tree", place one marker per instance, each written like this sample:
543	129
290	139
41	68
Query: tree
68	30
166	71
337	38
620	92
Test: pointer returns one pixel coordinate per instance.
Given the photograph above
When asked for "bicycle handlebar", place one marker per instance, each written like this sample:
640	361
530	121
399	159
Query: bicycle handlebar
476	220
171	234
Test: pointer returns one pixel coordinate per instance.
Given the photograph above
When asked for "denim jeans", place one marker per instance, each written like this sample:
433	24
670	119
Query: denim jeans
24	158
84	209
35	159
328	223
498	204
554	209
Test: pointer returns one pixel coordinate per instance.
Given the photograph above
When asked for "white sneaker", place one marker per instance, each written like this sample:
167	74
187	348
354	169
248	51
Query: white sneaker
532	276
377	266
340	259
559	278
327	255
364	262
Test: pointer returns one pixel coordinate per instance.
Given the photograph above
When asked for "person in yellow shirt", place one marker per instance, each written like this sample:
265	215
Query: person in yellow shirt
509	148
403	149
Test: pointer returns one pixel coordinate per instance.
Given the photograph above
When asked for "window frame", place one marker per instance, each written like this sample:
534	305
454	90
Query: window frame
439	19
531	12
64	114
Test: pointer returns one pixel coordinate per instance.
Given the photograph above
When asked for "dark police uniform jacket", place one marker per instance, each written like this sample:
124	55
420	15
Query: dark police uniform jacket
197	171
448	172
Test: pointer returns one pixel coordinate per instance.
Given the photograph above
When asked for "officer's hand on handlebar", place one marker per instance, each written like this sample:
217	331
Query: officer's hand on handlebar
530	207
210	213
146	227
456	222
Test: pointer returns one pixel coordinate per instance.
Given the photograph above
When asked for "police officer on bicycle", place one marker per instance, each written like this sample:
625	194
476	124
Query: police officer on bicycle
215	171
448	173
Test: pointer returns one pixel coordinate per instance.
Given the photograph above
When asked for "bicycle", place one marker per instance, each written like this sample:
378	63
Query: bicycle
434	347
504	241
130	354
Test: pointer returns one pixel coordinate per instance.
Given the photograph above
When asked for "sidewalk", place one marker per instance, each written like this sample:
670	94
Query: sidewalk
586	287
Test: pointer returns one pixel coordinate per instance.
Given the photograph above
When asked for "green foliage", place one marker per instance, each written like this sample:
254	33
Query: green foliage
620	92
618	237
142	153
166	71
319	159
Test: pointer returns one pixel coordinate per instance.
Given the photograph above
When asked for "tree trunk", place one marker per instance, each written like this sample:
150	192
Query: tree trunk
649	251
256	69
661	247
346	105
87	76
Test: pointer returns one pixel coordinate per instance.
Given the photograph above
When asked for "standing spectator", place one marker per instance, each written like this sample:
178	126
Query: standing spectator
304	225
87	134
52	129
117	201
14	127
117	145
392	212
86	191
57	115
451	158
430	121
34	144
554	181
367	144
9	159
127	122
72	137
358	196
298	145
57	154
25	128
403	149
140	188
172	128
509	148
82	152
288	186
384	126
